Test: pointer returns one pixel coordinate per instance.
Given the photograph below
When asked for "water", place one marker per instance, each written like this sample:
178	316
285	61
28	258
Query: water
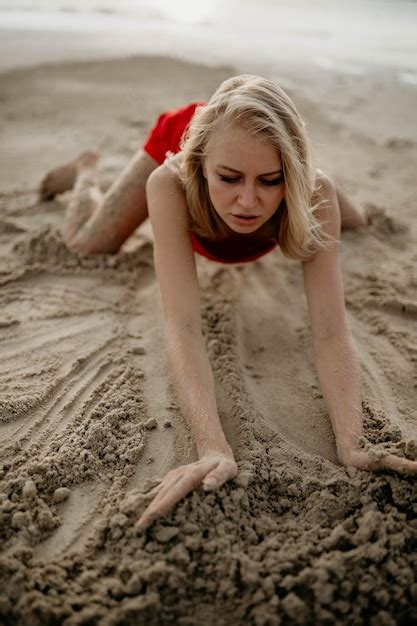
353	37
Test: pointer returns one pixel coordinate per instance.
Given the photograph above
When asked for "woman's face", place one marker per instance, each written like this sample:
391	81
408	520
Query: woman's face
244	177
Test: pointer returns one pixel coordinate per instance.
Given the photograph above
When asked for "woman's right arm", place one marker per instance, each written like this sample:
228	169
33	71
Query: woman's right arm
177	277
194	384
189	364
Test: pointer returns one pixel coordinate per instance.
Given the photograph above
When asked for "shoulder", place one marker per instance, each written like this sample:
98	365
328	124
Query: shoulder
167	175
325	204
324	185
166	199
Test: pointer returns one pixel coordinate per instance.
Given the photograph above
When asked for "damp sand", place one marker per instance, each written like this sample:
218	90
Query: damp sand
88	416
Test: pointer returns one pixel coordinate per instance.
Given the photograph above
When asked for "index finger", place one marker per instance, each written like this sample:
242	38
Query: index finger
168	496
398	463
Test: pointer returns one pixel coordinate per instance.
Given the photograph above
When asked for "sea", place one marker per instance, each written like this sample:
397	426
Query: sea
348	36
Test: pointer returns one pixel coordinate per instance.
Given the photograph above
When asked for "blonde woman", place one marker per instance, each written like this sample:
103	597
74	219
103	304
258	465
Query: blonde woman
229	179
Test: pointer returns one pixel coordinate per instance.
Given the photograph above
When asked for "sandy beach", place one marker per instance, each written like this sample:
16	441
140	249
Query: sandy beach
88	416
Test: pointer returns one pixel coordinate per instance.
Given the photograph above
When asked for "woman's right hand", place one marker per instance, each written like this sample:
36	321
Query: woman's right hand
212	470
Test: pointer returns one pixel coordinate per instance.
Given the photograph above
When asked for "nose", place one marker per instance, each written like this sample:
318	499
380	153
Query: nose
248	198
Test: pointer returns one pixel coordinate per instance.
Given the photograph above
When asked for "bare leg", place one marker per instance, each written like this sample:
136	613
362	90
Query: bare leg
351	216
122	209
97	222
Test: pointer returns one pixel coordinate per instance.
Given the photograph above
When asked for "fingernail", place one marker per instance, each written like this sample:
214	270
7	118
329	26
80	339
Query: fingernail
209	484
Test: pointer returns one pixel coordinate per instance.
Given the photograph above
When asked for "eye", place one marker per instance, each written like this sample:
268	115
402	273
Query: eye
229	179
276	181
267	183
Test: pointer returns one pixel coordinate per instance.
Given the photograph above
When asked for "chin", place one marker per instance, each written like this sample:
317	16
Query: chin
244	228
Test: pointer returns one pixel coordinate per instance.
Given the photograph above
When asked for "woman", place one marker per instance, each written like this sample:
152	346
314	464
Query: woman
238	182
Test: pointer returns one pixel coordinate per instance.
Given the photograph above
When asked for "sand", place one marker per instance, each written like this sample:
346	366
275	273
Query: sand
88	415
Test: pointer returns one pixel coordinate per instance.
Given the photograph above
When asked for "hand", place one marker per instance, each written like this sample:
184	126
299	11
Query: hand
354	457
212	470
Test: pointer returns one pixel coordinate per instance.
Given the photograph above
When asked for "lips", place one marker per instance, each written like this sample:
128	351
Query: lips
244	220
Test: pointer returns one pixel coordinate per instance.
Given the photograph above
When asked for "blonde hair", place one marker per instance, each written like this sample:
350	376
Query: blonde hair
263	109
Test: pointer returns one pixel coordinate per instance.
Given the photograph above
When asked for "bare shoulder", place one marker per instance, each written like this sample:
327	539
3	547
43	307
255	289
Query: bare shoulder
167	172
324	185
166	195
170	169
325	204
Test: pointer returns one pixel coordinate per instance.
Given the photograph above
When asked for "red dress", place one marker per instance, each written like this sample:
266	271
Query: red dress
165	137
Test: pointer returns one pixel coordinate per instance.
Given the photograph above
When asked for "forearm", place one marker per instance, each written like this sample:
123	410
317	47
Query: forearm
339	376
194	384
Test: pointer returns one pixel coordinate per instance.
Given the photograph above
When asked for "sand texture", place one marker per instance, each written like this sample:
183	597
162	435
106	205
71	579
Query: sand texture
88	415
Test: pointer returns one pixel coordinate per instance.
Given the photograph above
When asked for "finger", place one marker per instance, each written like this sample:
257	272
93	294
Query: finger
399	464
161	505
183	480
170	495
158	505
147	517
159	491
160	482
166	485
178	491
216	478
154	490
187	480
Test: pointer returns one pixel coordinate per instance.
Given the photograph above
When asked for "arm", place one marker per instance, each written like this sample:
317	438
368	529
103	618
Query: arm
194	384
335	356
190	368
177	277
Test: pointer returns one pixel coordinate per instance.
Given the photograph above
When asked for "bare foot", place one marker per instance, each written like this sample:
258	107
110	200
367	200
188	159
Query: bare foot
63	178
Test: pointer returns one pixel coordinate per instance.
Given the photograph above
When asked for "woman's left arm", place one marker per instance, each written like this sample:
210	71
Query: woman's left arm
335	356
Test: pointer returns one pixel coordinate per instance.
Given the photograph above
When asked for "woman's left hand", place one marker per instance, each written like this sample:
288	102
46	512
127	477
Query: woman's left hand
354	457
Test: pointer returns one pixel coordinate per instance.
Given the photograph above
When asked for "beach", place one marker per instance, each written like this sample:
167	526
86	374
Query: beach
89	420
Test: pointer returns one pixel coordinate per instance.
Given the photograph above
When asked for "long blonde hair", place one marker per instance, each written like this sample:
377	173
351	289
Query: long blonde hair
263	109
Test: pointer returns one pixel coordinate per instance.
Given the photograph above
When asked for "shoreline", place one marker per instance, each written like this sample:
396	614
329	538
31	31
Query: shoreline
368	37
353	99
22	47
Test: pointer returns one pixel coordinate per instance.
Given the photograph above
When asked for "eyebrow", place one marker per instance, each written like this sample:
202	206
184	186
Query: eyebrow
231	169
